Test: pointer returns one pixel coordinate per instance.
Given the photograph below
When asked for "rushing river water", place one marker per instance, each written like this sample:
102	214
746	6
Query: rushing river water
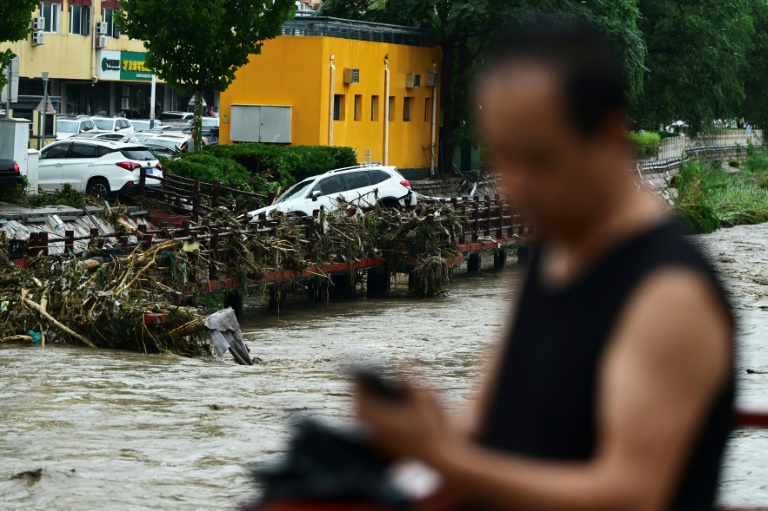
85	429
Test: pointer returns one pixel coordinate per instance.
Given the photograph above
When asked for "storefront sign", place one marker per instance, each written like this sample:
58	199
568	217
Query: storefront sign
124	66
133	67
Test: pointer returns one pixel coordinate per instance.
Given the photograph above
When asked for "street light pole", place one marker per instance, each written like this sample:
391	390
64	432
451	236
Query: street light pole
152	96
41	124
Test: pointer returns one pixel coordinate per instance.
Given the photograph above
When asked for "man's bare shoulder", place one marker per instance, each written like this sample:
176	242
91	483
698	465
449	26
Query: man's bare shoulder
677	321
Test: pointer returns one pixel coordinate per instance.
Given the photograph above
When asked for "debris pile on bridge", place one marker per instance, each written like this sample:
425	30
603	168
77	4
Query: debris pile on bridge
128	295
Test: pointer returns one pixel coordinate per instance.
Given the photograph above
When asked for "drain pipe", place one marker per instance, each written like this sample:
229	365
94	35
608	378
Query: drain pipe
387	113
434	121
332	102
94	76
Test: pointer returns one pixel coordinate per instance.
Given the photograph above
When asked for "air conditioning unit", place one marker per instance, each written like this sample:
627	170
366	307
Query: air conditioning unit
433	80
101	28
38	23
412	81
351	75
101	41
38	38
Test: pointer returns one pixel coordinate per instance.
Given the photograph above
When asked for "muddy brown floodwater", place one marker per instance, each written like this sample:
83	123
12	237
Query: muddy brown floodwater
85	429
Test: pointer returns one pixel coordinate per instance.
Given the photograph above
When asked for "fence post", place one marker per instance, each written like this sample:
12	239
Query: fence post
216	193
123	241
271	198
196	202
44	242
33	244
142	180
69	242
476	217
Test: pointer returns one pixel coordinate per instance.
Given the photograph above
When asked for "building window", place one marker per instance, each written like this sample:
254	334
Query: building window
108	16
50	12
79	20
407	105
374	108
428	109
338	107
391	108
358	107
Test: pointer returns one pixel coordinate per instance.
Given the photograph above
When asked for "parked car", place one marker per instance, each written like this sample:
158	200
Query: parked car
10	177
176	141
66	128
362	186
102	135
98	167
143	124
175	117
117	125
141	136
161	150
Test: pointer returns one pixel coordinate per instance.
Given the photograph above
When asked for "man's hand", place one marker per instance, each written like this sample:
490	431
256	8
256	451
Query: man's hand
410	427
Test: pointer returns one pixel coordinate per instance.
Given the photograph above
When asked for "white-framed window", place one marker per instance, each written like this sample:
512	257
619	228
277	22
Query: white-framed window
108	16
79	20
52	14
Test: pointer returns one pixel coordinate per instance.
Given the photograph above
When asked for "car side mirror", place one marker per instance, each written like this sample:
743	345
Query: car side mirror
316	195
117	129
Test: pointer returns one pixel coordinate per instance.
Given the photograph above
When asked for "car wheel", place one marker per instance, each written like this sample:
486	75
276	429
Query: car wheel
98	187
389	203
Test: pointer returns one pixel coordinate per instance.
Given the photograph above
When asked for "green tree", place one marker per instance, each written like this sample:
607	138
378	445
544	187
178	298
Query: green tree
198	45
756	106
697	60
463	30
15	24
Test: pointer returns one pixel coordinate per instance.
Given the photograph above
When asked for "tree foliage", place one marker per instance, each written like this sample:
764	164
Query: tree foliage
697	60
198	45
464	29
15	24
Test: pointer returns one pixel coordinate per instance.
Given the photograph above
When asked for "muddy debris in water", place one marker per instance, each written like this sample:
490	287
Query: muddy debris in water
99	298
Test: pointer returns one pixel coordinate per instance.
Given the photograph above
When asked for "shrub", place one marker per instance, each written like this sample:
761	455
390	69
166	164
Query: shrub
286	164
647	143
206	167
692	207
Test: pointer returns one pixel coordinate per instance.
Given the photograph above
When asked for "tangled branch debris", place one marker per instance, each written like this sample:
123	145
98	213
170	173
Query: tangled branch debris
99	299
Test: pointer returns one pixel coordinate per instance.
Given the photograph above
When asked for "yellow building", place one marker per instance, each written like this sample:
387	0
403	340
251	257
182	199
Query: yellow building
92	68
326	82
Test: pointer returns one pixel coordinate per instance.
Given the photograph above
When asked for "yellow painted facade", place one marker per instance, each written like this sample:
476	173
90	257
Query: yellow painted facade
296	71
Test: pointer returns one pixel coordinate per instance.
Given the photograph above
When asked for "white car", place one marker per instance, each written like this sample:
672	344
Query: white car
66	128
118	124
97	167
102	135
364	186
175	140
143	124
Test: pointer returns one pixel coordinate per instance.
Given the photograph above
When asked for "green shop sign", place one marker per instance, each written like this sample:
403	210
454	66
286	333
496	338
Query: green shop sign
133	67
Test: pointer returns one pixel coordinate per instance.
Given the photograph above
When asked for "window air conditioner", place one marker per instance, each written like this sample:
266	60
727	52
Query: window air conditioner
38	38
351	75
101	41
412	81
38	23
101	28
433	80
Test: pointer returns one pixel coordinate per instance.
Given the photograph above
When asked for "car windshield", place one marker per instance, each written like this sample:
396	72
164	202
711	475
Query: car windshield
137	153
296	191
104	124
168	143
140	125
67	126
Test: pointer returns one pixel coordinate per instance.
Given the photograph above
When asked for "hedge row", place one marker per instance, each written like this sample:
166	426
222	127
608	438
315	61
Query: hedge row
260	167
286	164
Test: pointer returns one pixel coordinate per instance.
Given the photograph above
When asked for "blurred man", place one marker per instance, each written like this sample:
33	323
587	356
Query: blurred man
613	387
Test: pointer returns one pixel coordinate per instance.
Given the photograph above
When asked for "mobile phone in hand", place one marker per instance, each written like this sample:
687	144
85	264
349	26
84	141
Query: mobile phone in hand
378	383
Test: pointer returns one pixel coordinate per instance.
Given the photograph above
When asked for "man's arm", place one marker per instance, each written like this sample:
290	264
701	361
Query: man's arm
668	359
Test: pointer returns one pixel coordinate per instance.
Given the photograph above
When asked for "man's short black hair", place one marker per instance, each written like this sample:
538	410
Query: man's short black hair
588	65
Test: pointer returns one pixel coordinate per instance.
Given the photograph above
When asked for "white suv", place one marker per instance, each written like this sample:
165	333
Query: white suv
97	167
118	124
66	128
362	186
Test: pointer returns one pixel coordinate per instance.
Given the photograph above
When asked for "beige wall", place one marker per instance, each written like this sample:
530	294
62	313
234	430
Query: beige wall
67	56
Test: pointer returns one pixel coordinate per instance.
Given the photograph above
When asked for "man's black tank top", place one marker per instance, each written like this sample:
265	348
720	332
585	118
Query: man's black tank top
545	402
